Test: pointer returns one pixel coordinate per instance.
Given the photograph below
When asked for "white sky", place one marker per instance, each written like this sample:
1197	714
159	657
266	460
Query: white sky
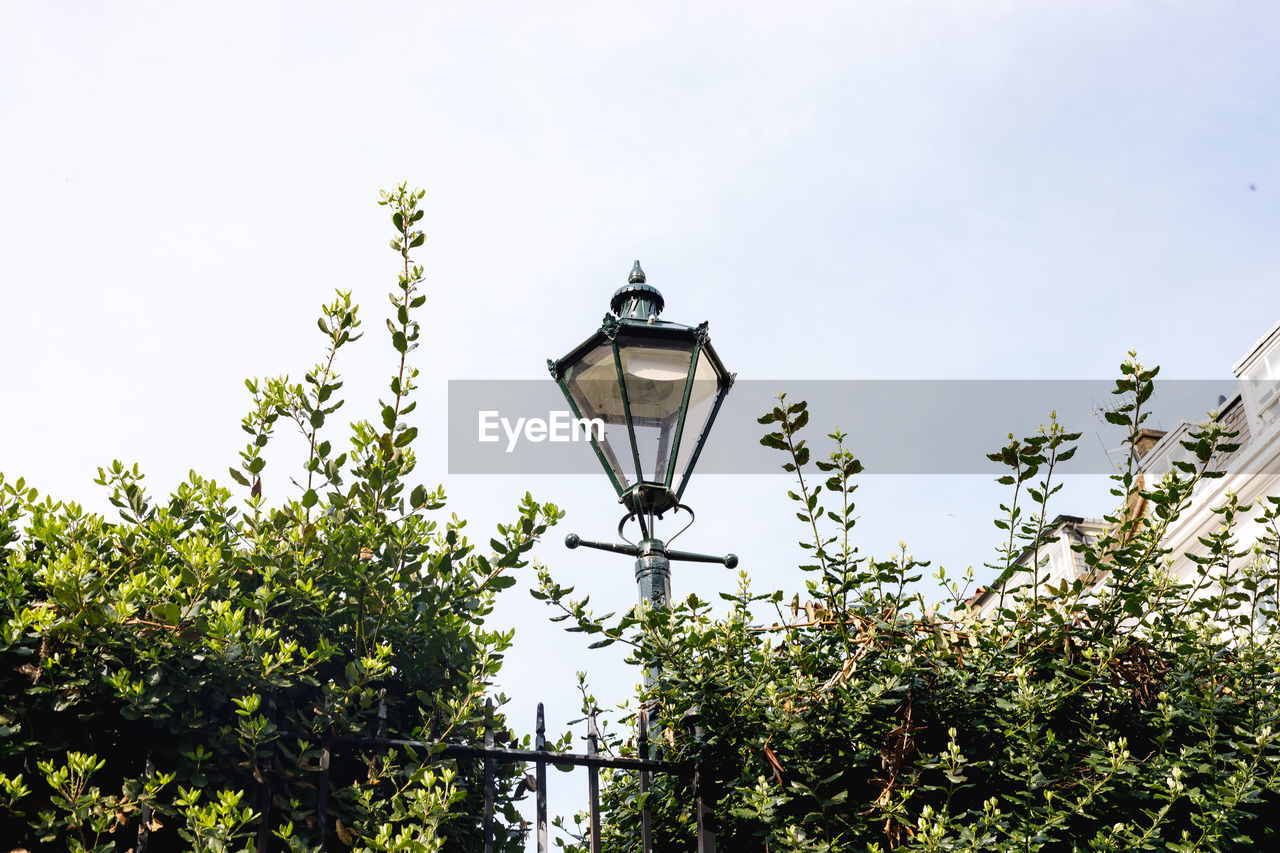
845	190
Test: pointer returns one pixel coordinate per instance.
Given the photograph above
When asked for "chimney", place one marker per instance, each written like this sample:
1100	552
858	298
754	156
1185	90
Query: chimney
1145	440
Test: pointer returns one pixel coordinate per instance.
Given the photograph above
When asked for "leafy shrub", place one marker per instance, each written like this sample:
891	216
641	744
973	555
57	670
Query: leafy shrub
166	678
1135	713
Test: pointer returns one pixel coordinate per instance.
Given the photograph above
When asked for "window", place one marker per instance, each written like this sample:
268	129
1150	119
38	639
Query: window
1259	374
1264	380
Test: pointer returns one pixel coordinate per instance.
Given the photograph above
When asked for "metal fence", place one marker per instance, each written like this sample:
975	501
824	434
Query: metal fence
540	756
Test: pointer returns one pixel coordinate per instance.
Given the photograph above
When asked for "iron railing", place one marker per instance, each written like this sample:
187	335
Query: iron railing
540	756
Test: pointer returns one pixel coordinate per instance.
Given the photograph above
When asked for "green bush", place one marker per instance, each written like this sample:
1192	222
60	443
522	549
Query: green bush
167	677
1135	714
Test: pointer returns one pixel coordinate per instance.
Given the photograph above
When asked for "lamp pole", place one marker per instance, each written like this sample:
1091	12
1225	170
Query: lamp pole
657	387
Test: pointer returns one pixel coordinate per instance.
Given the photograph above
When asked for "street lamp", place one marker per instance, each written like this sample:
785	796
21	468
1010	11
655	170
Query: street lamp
655	387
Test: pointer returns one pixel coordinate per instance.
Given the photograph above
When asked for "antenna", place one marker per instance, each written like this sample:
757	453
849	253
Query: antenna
1101	412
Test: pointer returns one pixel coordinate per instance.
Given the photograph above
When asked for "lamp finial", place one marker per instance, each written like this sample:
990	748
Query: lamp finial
637	300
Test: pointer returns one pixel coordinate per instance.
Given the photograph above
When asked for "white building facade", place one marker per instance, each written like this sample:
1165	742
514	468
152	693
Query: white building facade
1251	472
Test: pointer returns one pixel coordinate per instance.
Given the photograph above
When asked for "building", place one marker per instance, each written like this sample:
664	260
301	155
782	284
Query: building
1251	472
1058	562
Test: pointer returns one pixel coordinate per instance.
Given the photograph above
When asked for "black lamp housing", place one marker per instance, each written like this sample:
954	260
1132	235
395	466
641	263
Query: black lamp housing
655	386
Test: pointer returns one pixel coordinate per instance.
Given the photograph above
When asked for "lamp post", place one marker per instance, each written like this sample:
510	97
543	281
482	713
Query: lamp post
656	387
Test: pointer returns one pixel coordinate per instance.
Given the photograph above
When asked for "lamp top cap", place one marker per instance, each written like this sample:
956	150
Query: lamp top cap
636	299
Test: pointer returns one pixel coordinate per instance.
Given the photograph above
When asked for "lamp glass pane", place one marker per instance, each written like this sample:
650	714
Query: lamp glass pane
706	385
656	372
592	382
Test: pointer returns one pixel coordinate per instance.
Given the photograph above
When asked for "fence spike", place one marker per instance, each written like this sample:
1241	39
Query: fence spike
488	777
541	746
322	794
593	780
144	817
646	817
701	794
265	793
